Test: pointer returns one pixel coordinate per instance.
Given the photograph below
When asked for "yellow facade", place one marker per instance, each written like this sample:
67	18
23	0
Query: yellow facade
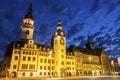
25	58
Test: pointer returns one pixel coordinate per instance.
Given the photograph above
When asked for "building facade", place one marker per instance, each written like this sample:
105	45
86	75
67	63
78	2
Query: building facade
25	58
114	66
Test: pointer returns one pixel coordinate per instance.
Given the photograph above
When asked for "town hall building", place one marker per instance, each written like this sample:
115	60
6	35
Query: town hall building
25	58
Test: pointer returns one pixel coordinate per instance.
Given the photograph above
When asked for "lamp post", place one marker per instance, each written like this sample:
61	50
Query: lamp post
90	65
50	55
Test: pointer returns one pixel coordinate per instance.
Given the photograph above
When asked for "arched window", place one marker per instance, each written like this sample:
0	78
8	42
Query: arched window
31	74
23	74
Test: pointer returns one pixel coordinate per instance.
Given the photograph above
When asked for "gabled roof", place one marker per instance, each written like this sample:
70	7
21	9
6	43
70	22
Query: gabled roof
19	44
96	51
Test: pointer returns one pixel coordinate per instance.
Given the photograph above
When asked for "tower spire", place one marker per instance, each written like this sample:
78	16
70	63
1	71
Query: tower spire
29	14
89	44
89	39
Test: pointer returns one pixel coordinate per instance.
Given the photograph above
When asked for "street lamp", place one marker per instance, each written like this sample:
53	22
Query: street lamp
90	64
50	59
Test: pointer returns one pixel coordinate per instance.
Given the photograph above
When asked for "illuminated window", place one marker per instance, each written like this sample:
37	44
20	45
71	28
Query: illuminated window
16	57
14	66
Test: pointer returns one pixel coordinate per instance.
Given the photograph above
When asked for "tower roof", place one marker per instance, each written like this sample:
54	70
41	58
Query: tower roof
29	14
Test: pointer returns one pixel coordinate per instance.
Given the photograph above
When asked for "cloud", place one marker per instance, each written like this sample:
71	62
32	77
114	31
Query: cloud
75	29
111	8
83	43
79	38
117	19
95	6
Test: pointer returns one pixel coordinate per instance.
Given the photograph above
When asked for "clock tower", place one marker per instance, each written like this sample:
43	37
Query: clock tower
59	47
27	26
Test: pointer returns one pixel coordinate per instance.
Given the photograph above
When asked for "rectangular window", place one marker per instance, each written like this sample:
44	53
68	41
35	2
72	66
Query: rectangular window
31	66
24	66
14	66
44	67
44	73
48	61
41	60
52	68
48	73
33	58
62	56
16	57
40	73
62	63
62	50
24	58
18	52
52	61
40	67
15	52
29	58
48	67
45	61
72	63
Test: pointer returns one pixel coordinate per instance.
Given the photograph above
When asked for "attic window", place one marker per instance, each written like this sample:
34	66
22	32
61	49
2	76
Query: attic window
18	46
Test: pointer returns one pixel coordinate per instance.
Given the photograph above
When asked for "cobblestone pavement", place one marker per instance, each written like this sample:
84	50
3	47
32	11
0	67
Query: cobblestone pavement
68	78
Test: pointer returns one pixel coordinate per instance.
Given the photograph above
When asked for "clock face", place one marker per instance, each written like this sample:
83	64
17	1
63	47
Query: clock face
62	41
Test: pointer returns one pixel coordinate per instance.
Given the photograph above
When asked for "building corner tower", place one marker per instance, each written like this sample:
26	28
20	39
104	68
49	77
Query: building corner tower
27	26
59	47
